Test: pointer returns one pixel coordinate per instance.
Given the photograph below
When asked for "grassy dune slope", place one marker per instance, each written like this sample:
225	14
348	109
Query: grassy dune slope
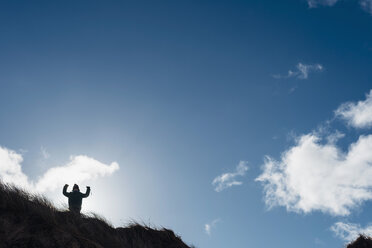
31	221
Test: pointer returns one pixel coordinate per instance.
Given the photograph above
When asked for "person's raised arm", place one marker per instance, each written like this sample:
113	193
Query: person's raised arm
65	190
86	193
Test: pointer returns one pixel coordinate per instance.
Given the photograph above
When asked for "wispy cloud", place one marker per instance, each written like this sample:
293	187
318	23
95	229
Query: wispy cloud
44	153
228	180
317	3
79	169
359	114
209	226
350	231
317	175
366	5
319	242
301	71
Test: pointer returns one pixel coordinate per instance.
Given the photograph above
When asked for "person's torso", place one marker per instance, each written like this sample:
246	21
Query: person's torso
75	199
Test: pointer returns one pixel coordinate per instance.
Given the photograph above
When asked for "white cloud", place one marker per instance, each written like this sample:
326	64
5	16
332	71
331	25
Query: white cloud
316	3
311	176
366	5
350	231
79	169
358	115
302	71
10	168
228	180
209	226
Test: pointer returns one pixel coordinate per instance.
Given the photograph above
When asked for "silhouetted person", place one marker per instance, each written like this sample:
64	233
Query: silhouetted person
75	198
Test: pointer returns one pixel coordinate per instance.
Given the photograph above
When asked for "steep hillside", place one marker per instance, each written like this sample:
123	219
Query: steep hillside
32	221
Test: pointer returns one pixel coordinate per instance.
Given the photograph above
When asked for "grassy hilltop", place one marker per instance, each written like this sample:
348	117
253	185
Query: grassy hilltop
31	221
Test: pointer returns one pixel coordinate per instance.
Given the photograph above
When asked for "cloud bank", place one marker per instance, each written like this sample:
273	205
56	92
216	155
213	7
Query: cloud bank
228	180
302	71
359	114
349	231
79	169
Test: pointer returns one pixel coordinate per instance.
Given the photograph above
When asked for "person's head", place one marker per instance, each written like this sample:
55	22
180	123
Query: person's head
75	188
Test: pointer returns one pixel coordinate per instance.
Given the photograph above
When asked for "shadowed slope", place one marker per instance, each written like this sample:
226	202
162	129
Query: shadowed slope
31	221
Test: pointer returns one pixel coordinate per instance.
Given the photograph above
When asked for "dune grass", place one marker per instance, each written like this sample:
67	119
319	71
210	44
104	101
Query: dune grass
29	220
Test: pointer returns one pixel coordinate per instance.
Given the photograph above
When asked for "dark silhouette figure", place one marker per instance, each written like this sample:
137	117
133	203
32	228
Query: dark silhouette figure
75	198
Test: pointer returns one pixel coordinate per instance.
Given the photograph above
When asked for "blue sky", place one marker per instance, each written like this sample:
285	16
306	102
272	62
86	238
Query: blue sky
174	111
